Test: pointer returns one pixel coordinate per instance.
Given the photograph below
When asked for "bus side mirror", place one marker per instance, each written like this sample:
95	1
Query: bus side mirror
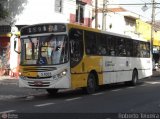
15	46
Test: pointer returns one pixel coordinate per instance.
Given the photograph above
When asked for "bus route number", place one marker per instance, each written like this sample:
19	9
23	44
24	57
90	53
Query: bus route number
45	74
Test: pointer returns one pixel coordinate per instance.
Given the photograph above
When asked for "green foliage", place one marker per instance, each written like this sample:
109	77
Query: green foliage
3	12
11	8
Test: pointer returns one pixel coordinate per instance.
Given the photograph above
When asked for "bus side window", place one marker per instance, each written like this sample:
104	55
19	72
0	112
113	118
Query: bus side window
136	52
148	50
145	50
90	43
121	47
111	45
129	47
76	46
101	44
142	49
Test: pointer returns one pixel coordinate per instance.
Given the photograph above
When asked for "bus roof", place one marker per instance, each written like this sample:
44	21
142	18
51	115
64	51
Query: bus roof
105	32
71	25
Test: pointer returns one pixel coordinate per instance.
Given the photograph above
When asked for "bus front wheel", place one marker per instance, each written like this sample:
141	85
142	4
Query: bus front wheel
91	84
52	91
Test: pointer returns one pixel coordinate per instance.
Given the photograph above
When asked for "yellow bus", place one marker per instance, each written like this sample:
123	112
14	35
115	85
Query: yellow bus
67	56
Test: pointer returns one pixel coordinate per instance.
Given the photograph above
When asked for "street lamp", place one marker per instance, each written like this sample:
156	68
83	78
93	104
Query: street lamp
144	8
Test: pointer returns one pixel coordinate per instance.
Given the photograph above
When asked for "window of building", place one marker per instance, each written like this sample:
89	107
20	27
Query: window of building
80	11
130	22
58	6
5	29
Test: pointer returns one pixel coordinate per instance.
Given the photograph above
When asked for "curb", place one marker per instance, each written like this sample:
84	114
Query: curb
7	78
156	74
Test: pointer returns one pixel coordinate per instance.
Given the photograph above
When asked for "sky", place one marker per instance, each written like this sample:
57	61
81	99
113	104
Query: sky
137	8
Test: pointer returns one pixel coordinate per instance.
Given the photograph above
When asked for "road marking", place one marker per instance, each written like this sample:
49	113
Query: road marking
130	87
4	97
143	85
117	90
153	82
8	111
30	97
45	104
71	99
97	93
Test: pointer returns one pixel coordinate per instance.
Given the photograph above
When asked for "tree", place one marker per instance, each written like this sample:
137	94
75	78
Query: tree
9	9
3	12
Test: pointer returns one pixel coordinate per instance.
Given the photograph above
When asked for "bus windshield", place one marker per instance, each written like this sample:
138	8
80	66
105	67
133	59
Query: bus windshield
44	50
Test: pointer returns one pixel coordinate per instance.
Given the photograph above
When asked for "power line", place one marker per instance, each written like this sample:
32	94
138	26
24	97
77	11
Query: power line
134	4
143	1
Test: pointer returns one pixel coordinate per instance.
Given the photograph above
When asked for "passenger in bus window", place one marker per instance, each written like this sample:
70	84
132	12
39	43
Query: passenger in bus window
101	50
43	59
56	53
111	51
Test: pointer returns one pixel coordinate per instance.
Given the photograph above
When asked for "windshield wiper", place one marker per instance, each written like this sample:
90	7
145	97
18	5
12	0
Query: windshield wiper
32	46
49	38
30	39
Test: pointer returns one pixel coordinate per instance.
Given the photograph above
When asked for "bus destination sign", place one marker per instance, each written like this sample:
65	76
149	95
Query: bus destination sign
43	28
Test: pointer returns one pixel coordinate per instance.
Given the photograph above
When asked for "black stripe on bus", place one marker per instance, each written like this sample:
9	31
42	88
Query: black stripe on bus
110	71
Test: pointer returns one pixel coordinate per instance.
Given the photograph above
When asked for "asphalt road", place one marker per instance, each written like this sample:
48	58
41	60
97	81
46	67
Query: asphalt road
111	101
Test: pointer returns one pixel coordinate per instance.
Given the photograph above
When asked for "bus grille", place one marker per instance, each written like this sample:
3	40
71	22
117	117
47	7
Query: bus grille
39	77
39	84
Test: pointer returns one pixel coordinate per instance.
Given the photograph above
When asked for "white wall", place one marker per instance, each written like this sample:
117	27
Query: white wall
43	11
112	19
26	12
115	23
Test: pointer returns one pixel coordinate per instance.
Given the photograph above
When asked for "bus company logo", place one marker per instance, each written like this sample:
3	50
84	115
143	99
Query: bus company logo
4	116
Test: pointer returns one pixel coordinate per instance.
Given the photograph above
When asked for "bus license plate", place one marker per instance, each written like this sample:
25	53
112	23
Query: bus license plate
45	74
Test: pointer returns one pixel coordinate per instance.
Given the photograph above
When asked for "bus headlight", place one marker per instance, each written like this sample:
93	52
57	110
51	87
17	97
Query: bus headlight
60	75
23	77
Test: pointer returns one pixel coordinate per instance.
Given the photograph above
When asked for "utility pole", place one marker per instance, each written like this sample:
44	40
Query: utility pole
104	15
96	14
152	26
79	8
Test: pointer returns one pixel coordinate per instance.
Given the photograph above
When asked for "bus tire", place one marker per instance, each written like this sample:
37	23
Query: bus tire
52	91
134	78
91	84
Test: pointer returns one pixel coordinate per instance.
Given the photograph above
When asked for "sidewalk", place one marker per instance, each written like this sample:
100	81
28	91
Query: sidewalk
8	80
156	73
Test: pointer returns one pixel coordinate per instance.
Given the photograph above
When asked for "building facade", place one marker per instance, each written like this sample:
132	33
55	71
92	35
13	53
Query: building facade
27	12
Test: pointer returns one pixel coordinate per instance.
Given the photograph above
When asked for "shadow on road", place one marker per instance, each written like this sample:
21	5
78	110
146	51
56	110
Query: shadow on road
65	94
